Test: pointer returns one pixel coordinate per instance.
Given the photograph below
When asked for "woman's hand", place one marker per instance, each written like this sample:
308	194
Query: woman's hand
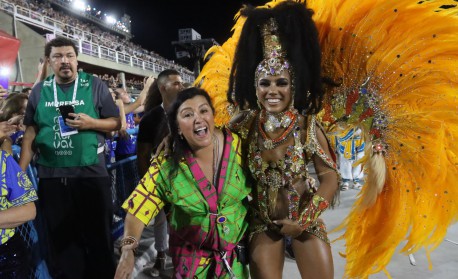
16	120
7	129
289	228
147	82
126	263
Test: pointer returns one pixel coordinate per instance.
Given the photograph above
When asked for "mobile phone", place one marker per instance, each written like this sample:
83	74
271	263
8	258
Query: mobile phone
65	110
41	60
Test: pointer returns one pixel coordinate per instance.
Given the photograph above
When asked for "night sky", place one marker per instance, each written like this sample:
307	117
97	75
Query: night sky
155	24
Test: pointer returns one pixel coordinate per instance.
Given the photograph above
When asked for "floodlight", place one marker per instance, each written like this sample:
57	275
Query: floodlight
5	71
79	5
110	20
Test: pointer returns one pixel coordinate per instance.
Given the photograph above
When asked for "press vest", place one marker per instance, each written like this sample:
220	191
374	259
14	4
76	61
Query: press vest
65	151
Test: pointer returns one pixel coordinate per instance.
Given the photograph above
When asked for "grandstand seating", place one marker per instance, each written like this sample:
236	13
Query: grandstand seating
90	43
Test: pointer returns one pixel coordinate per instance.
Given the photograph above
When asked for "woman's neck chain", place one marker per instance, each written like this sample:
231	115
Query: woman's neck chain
215	159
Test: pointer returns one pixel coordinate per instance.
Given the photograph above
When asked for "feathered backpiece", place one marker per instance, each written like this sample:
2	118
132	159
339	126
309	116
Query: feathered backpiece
215	74
397	66
397	63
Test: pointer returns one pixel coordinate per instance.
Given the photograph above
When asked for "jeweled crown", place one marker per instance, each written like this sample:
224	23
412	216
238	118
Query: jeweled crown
274	61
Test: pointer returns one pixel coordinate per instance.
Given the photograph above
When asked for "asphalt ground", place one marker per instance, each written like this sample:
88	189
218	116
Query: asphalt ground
444	258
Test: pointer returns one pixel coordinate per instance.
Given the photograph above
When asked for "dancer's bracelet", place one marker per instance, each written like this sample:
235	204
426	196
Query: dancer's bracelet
313	210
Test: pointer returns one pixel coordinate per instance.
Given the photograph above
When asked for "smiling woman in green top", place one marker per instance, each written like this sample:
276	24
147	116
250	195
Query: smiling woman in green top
205	185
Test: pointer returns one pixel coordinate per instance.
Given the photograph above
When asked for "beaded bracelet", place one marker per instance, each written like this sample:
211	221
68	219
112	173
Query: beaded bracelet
128	240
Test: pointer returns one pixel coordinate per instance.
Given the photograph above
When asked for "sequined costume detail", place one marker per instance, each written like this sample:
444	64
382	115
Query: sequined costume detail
272	176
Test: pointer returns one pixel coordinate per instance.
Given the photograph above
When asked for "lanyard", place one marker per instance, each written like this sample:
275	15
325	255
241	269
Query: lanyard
56	101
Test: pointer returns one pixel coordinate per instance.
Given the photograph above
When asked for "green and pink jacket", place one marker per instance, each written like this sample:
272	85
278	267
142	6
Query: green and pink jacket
206	220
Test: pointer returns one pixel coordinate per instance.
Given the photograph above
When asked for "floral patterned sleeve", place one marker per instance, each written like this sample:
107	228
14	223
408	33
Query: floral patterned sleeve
20	189
145	201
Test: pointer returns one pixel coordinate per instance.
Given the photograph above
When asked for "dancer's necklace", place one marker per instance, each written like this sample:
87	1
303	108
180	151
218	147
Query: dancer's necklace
269	143
273	121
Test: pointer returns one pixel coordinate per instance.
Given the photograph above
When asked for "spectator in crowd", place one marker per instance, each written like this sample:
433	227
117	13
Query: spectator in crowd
109	141
6	127
74	186
127	144
205	183
17	206
169	83
3	95
13	111
152	129
349	145
17	197
13	105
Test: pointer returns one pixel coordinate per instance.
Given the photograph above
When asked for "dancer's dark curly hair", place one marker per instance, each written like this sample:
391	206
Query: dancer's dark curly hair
299	40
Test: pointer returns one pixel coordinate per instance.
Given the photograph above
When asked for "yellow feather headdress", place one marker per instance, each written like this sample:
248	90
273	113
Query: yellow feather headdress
397	62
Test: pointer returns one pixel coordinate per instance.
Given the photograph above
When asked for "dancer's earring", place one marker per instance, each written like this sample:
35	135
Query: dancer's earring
292	90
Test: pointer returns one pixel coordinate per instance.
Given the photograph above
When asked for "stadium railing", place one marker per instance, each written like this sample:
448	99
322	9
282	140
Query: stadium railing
86	41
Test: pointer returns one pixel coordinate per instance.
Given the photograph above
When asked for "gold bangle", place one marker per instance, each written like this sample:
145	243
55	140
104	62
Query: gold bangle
325	172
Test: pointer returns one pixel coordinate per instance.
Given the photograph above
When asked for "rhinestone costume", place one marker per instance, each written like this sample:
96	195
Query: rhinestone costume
272	176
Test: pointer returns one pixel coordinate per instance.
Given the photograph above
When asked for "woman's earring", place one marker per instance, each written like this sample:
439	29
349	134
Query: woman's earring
293	94
291	105
181	136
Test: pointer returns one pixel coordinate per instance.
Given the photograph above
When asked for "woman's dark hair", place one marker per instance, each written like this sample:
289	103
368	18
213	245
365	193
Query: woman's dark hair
180	145
12	105
299	40
153	97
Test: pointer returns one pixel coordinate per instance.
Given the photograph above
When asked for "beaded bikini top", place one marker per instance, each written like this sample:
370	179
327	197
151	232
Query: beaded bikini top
271	176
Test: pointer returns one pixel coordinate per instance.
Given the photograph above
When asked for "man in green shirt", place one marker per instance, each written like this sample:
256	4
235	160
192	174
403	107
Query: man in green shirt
74	187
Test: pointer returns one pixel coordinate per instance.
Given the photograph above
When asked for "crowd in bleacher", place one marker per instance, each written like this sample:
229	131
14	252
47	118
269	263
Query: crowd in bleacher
92	12
114	82
80	29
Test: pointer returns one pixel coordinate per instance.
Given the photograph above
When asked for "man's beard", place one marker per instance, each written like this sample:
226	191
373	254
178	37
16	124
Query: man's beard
67	77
